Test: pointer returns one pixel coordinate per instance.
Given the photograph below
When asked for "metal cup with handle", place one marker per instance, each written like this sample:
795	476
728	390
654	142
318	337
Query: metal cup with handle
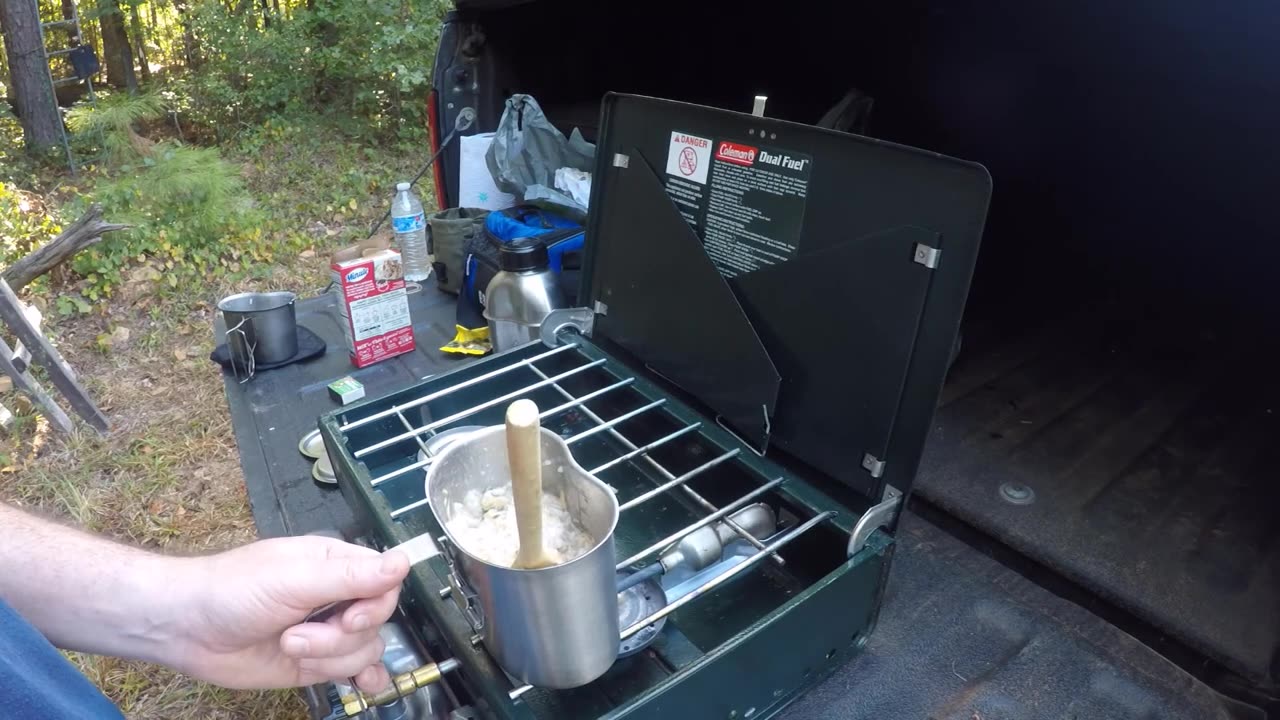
261	329
529	627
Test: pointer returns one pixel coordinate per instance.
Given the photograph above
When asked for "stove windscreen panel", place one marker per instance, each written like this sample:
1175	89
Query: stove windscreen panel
849	257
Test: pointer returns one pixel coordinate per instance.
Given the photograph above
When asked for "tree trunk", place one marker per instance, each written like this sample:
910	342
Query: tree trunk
154	24
29	74
116	54
266	14
190	51
140	38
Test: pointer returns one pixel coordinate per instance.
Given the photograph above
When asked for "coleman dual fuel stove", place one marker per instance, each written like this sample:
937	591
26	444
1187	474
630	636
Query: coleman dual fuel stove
770	309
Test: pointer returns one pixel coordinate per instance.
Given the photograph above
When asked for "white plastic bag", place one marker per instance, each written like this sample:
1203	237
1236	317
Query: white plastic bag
476	188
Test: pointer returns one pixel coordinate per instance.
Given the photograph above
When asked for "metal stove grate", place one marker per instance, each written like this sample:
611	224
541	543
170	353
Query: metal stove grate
488	393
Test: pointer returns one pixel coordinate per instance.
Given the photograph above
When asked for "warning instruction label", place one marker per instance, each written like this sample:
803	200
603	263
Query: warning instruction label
689	157
745	200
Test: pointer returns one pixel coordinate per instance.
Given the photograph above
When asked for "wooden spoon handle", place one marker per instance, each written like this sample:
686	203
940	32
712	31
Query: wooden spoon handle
524	455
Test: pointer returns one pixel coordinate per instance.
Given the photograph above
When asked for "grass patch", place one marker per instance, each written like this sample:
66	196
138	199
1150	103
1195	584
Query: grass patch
147	692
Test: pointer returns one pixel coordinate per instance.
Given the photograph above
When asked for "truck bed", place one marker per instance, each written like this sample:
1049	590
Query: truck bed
1151	443
961	637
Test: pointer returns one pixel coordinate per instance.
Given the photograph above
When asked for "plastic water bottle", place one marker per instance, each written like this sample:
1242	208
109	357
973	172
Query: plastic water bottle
410	224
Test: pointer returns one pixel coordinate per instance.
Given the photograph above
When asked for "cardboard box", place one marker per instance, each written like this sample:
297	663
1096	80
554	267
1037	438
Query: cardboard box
369	281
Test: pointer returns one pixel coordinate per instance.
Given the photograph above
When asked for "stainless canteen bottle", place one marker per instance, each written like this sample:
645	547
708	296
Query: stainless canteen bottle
521	295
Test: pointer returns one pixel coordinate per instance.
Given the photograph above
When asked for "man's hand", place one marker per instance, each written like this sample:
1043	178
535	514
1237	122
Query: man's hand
234	618
245	628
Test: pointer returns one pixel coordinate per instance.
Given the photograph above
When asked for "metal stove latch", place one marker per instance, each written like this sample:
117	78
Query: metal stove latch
927	256
879	515
557	321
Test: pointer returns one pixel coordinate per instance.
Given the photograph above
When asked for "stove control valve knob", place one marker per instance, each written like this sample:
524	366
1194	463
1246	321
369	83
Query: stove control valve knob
402	685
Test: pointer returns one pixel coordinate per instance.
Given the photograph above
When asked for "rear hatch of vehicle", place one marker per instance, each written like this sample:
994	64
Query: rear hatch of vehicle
1113	413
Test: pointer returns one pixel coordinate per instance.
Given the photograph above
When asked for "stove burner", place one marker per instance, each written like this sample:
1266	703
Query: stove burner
635	603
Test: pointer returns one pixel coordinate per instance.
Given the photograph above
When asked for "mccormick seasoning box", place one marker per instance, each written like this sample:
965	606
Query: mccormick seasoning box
369	281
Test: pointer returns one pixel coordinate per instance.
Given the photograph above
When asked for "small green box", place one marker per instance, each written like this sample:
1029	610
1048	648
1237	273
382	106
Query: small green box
346	390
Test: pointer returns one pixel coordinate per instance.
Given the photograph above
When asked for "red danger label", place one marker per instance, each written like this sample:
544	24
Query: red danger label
683	139
736	154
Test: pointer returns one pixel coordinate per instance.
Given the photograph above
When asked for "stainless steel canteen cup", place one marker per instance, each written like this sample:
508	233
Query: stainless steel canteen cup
554	627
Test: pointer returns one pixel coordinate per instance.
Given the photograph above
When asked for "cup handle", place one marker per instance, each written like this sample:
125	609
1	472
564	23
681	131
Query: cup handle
244	338
460	590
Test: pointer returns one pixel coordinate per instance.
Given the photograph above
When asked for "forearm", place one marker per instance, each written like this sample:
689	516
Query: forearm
237	618
89	594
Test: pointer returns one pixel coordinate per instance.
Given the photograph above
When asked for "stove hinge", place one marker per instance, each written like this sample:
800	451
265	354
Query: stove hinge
880	515
873	465
579	319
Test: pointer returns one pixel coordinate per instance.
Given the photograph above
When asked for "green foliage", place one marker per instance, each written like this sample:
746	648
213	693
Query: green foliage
18	164
190	212
367	62
375	58
245	74
24	223
191	218
322	108
113	119
12	156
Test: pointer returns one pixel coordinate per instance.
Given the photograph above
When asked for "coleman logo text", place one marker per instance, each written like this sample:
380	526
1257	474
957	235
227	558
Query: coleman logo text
736	154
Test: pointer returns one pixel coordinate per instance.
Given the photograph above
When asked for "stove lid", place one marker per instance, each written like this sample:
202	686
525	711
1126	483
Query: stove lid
805	285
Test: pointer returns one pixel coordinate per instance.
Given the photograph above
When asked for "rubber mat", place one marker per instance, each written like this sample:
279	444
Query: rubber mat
1137	457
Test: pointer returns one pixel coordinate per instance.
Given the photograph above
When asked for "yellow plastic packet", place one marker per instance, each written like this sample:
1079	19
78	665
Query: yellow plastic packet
469	342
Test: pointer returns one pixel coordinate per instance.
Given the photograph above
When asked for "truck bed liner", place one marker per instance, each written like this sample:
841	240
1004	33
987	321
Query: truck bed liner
962	637
1152	448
